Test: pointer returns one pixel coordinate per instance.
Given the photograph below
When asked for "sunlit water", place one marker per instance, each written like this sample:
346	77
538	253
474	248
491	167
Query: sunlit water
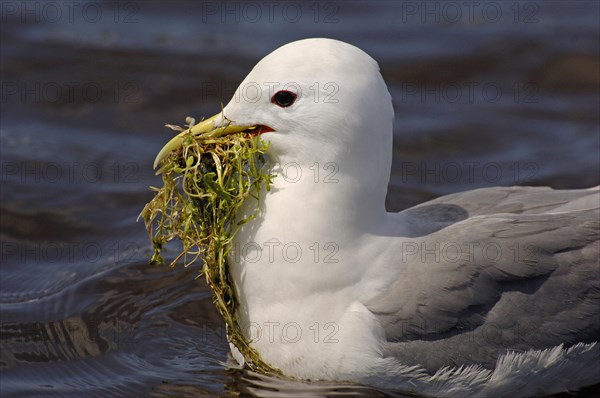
480	100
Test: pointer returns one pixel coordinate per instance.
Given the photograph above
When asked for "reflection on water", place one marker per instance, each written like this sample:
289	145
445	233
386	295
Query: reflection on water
480	100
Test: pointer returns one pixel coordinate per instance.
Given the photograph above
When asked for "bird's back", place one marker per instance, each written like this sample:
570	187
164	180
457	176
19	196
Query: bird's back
493	270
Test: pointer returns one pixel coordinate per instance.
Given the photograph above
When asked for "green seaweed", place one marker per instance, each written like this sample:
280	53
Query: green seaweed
205	182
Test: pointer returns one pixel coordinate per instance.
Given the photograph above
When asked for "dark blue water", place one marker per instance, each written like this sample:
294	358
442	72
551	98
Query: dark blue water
485	94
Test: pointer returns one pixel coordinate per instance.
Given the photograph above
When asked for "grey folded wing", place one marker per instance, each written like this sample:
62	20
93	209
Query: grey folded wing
517	200
474	289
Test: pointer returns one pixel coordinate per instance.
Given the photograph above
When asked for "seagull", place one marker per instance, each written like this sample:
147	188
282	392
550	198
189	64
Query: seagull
490	292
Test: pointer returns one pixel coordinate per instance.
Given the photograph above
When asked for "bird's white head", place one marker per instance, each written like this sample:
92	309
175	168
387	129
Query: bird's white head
321	104
327	103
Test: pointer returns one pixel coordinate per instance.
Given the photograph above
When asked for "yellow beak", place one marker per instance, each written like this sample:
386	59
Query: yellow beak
205	128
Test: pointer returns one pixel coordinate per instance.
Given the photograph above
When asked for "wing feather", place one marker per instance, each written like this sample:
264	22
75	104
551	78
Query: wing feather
474	288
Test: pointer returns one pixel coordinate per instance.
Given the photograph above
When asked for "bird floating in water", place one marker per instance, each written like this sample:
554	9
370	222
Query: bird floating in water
486	293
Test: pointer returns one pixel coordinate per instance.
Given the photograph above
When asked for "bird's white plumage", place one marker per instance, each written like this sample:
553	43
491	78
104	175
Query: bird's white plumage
323	278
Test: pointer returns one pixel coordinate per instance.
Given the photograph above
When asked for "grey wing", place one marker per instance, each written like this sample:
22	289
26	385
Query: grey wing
476	288
444	211
518	200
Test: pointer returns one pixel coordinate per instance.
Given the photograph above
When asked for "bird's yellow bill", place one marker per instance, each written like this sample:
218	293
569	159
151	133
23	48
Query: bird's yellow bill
205	128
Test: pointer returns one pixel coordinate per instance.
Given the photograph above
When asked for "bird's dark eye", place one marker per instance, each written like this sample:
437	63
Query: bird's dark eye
283	98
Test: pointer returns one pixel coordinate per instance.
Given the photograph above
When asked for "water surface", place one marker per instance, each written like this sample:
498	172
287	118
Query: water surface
481	99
